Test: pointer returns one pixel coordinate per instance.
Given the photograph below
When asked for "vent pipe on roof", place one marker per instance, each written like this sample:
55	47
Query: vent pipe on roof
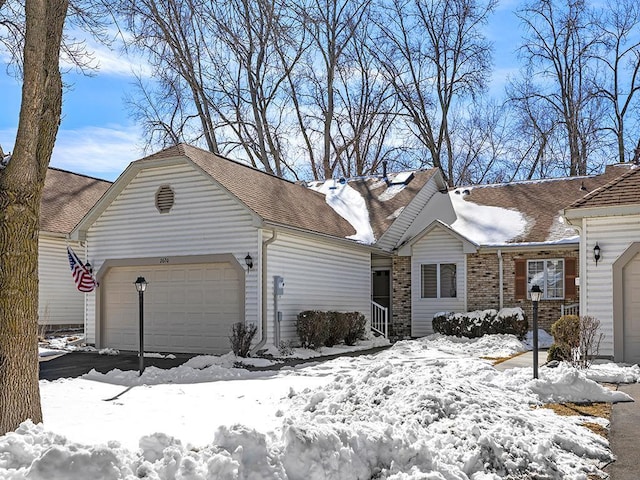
384	171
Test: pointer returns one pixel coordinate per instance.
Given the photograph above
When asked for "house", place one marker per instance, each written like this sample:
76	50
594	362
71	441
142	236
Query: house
609	219
220	242
66	198
213	238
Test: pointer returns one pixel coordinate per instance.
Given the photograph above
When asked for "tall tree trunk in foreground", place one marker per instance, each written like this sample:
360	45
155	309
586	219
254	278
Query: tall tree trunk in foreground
21	185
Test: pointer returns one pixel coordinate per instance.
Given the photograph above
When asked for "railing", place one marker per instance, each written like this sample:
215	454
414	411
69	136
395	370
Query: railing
379	319
573	309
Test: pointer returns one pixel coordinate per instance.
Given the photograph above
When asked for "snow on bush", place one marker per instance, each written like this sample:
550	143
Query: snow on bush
481	322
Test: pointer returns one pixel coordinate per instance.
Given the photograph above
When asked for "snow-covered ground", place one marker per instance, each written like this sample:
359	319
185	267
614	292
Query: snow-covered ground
428	409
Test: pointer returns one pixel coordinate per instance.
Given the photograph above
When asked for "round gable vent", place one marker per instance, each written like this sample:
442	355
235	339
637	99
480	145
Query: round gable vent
164	199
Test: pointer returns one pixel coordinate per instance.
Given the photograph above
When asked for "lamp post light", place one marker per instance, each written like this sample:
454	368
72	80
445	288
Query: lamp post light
141	286
536	295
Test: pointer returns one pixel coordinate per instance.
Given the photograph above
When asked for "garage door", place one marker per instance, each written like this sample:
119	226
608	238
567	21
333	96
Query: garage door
187	308
631	279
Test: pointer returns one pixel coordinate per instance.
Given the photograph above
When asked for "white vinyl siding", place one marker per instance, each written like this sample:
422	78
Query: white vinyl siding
204	220
318	275
426	206
60	303
437	247
614	235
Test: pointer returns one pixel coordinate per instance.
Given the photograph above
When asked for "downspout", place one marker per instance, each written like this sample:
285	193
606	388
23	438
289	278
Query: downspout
501	278
263	267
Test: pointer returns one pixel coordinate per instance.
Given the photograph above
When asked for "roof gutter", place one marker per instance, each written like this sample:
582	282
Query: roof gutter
263	268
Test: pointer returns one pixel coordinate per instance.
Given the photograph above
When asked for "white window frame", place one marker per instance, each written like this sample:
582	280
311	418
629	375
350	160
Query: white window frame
545	280
438	280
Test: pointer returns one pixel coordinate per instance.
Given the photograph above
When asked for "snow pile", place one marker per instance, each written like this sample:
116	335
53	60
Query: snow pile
483	224
413	411
350	205
563	383
613	373
487	346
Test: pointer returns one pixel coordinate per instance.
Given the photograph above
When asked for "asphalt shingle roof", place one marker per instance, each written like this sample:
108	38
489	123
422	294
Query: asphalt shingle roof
273	199
66	198
541	202
622	190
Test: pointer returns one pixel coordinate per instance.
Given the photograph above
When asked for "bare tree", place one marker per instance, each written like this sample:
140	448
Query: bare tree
434	54
617	28
21	183
558	50
322	86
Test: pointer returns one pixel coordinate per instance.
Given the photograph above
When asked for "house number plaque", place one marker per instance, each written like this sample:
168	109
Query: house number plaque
164	259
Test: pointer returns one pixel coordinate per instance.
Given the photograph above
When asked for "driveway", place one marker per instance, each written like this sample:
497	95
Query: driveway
75	364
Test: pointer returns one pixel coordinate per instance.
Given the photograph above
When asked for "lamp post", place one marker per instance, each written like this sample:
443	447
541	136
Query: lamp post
141	286
536	295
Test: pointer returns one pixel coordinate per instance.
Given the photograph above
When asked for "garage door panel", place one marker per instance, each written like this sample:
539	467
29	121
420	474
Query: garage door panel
188	308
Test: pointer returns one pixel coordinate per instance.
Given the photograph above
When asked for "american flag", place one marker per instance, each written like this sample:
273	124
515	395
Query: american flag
85	282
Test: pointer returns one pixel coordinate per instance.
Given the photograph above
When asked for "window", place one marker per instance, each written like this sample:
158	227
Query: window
548	275
439	280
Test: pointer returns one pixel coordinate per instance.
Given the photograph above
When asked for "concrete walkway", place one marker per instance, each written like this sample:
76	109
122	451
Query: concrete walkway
624	431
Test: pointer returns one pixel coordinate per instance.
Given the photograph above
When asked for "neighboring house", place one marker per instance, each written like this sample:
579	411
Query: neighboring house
220	242
609	217
66	198
503	239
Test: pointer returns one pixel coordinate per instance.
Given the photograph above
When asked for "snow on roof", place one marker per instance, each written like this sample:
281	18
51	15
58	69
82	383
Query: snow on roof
484	224
350	205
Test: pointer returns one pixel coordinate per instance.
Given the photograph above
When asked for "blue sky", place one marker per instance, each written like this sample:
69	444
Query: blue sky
98	138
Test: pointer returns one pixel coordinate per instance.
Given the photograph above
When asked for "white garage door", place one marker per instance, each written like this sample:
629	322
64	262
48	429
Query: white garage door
187	308
631	279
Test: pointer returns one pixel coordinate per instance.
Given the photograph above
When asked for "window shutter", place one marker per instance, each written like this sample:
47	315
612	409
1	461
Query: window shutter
521	279
569	277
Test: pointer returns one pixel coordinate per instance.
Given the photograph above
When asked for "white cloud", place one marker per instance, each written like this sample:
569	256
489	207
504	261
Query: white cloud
102	152
110	60
98	151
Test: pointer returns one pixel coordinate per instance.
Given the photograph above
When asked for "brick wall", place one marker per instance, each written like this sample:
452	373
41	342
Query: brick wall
401	312
483	284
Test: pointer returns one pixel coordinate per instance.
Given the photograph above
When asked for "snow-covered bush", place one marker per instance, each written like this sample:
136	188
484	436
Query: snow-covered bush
241	338
481	322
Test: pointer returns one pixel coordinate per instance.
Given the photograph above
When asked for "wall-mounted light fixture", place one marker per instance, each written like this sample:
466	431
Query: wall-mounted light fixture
249	261
596	253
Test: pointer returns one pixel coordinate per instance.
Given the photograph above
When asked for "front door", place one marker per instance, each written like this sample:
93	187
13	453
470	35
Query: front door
381	286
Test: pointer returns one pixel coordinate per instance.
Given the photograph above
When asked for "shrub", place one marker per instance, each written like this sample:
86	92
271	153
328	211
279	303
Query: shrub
316	328
285	348
481	322
241	338
312	328
336	324
575	340
356	327
566	337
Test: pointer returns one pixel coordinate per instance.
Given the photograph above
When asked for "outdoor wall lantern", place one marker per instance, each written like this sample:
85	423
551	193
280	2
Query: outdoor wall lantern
536	295
249	261
596	253
141	286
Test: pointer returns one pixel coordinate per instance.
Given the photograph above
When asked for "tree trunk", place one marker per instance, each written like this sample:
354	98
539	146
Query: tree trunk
21	184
